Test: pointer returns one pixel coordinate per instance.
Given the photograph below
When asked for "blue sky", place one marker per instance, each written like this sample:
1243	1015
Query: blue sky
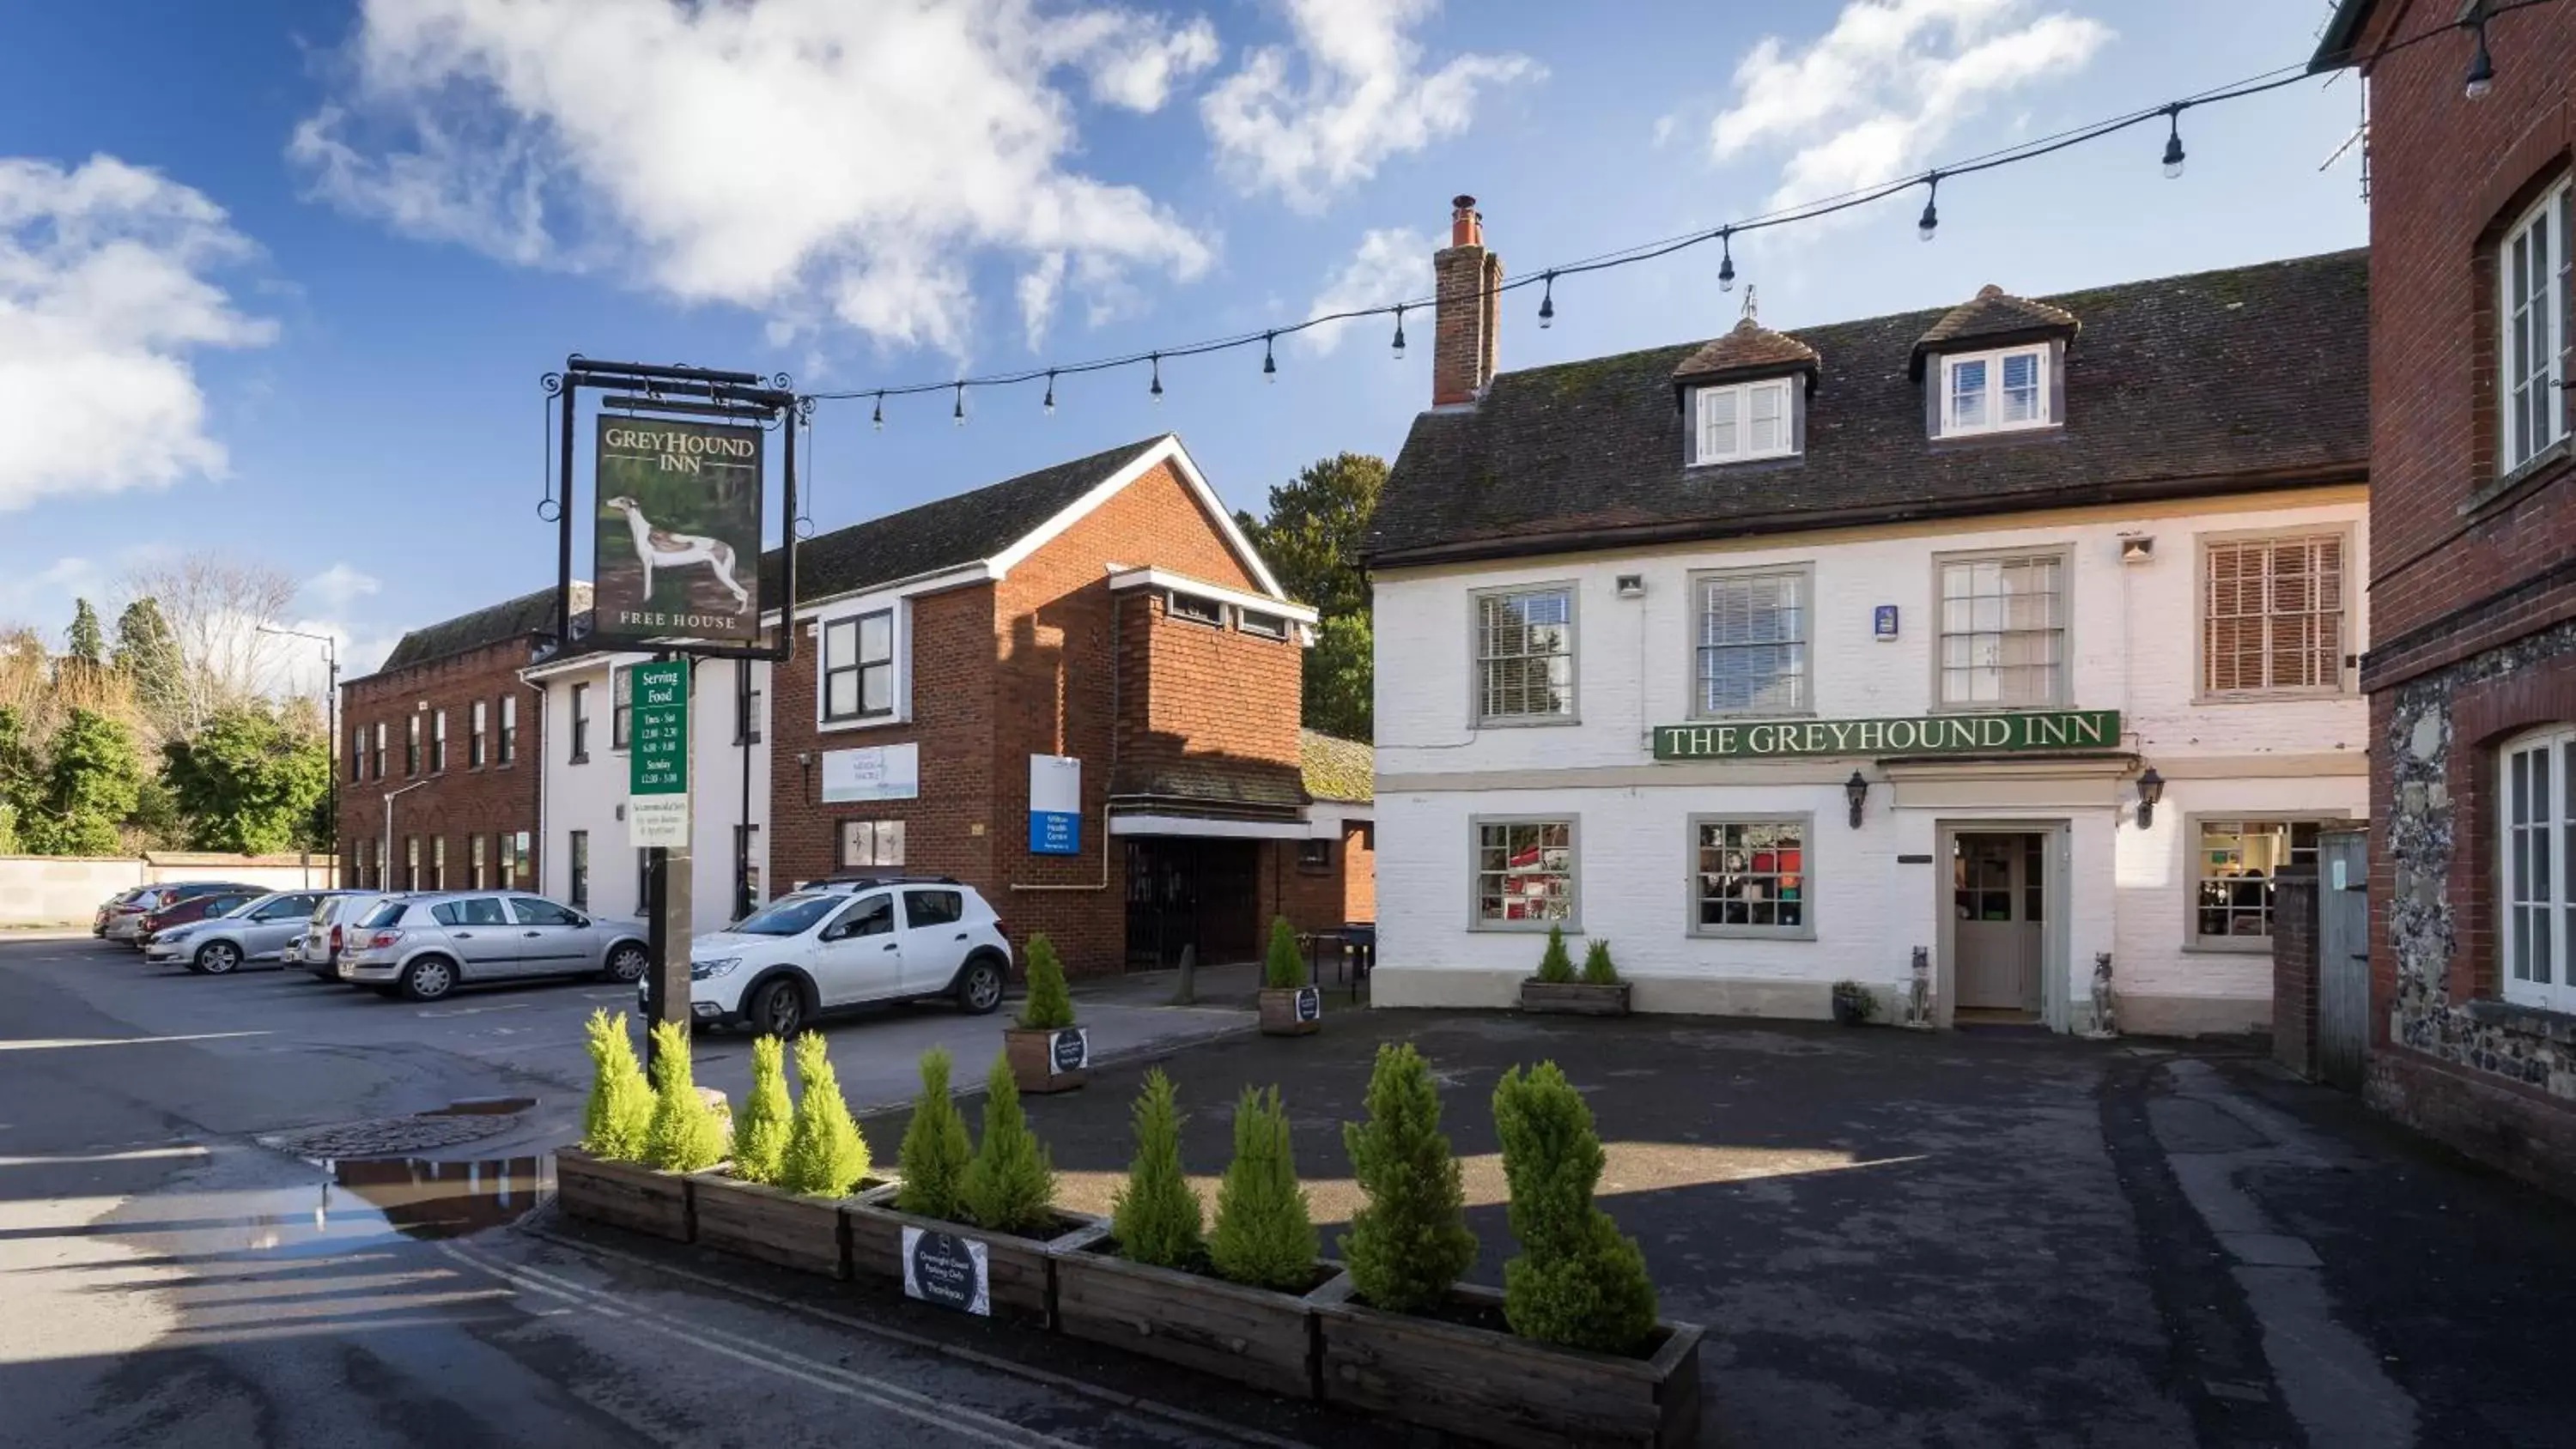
278	277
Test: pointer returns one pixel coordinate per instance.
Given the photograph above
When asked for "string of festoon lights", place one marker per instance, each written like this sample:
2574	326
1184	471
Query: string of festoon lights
2478	80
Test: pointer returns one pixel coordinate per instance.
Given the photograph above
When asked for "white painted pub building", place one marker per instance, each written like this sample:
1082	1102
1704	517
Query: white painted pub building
2022	634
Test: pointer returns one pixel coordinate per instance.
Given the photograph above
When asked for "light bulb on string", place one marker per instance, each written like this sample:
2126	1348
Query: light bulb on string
1726	260
1930	221
1269	364
1050	397
880	417
2173	143
1157	389
2481	65
1399	332
1547	302
961	405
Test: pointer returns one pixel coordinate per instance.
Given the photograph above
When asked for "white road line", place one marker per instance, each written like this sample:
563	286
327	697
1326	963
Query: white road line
921	1408
58	1043
145	1154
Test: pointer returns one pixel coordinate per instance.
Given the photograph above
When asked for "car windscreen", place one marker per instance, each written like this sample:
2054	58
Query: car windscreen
789	915
236	905
383	915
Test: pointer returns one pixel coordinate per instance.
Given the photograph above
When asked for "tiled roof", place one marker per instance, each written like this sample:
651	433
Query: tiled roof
1993	316
944	533
1226	783
520	618
1336	768
2210	383
1751	347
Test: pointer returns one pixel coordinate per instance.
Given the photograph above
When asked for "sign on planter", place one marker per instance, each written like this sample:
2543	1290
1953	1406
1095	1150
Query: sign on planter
1310	1004
657	784
945	1269
1055	805
1068	1050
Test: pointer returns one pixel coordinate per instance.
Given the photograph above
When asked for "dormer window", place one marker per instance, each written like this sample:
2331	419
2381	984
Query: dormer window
1995	392
1745	422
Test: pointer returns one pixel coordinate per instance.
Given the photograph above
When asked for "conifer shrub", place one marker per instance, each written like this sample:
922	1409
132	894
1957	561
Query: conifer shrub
1597	970
1050	1003
1263	1237
618	1117
760	1128
825	1155
1156	1217
1578	1282
933	1156
1009	1187
688	1133
1410	1243
1554	966
1284	969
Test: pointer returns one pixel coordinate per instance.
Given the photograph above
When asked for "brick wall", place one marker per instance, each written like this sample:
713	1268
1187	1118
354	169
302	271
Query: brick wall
1198	690
1323	897
2294	971
463	801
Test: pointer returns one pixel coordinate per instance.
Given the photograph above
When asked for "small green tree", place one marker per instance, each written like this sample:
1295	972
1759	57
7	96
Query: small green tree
935	1150
688	1134
619	1115
1050	1003
248	781
1597	970
825	1154
86	642
91	784
1263	1236
1156	1217
1578	1281
1410	1243
1554	965
760	1128
147	654
1009	1187
1284	969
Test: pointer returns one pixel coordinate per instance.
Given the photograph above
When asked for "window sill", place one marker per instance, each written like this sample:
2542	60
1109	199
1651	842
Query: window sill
2272	696
1524	928
2227	946
2040	708
2540	1021
2542	468
1786	455
860	722
1752	933
1526	722
1750	716
1943	441
580	759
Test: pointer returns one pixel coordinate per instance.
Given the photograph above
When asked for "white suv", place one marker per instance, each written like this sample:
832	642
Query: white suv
847	942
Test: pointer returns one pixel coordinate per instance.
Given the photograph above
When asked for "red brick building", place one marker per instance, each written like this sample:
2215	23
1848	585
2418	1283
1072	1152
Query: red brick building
2472	674
444	737
1099	629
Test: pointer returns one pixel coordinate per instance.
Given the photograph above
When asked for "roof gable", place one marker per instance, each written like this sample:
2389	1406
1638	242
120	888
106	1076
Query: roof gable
2208	383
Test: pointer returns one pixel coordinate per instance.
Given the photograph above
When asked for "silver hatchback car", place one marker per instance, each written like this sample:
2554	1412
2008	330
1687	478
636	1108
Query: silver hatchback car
254	933
425	946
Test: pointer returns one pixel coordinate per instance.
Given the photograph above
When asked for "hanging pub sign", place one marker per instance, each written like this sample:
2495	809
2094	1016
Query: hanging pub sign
1940	734
678	531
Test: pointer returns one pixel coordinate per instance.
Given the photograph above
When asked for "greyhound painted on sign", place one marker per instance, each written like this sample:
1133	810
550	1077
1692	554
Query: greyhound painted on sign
660	549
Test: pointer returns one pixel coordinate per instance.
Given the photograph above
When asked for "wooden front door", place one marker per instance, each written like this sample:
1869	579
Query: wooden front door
1998	894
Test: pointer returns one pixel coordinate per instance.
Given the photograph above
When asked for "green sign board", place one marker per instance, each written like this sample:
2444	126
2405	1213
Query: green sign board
657	806
1940	734
677	533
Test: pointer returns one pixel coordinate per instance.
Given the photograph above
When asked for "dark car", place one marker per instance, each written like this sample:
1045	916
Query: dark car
194	908
125	914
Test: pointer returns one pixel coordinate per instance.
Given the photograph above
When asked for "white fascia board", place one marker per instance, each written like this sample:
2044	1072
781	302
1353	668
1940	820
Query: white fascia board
579	664
983	571
1152	578
1201	826
1326	819
1167	449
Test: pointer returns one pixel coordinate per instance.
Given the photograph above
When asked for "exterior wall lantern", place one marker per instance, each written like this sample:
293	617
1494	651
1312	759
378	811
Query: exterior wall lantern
2151	788
1856	790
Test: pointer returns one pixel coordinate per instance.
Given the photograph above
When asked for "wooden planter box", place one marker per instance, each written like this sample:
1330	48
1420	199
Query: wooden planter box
1250	1335
1574	998
1291	1010
1020	1271
624	1194
774	1225
1038	1059
1502	1389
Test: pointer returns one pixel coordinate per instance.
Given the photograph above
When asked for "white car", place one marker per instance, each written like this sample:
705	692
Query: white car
847	943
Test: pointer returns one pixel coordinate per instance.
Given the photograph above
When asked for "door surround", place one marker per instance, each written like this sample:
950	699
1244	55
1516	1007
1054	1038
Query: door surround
2054	937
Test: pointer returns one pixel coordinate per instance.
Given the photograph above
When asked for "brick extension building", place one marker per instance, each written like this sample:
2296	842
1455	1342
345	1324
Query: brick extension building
446	729
2472	670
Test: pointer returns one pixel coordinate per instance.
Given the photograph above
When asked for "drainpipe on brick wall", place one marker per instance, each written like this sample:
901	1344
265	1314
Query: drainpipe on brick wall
1117	618
537	841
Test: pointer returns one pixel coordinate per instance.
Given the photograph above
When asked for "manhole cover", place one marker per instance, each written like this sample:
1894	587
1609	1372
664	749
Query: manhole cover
389	1137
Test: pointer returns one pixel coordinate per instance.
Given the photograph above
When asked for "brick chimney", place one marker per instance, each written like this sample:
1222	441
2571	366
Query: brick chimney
1468	276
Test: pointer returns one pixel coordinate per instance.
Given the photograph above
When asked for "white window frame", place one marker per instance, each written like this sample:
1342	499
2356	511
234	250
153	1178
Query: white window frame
2062	686
1214	618
1735	402
2196	867
1804	576
621	709
1479	661
2536	364
883	837
2340	616
1694	886
2044	414
897	618
478	747
1261	625
2536	905
1572	921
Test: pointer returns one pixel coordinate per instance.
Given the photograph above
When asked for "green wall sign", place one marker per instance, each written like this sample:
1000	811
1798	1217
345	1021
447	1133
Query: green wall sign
1940	734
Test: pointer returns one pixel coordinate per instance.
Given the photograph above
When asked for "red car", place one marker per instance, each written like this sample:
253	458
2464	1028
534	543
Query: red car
195	908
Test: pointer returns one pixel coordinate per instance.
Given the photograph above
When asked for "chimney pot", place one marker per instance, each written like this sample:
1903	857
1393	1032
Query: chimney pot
1466	228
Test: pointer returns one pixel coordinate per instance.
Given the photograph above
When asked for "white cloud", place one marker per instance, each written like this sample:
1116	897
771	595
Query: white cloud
1365	97
1038	288
1390	265
339	586
1875	97
813	160
102	302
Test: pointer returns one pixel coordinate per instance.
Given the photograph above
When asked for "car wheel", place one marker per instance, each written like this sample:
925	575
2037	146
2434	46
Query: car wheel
979	986
778	1009
428	978
627	963
218	958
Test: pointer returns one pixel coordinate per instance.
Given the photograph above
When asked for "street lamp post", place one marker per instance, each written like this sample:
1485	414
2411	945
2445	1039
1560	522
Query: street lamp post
330	722
385	862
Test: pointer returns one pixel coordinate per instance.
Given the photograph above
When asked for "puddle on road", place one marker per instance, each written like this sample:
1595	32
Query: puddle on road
364	1198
